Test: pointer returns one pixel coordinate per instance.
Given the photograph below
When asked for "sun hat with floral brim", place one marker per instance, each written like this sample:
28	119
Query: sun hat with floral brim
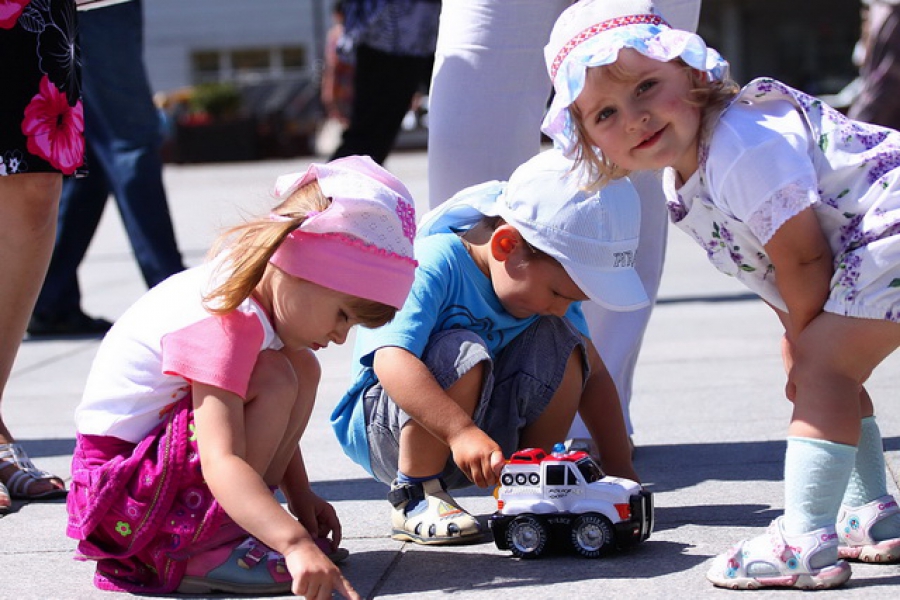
590	33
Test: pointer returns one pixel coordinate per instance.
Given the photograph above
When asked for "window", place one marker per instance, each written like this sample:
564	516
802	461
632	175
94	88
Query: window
556	474
205	66
247	64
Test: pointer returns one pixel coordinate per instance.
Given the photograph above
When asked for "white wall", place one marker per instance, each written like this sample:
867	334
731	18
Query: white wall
175	28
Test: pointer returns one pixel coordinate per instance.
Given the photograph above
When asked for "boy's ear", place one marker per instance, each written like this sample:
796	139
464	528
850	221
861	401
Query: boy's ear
504	241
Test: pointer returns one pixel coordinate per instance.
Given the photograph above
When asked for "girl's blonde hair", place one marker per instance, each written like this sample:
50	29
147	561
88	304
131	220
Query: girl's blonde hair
249	246
711	97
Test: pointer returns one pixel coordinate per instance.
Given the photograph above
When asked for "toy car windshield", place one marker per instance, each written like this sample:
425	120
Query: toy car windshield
589	469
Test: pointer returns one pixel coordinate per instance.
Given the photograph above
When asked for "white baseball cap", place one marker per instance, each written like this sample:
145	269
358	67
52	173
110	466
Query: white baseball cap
593	235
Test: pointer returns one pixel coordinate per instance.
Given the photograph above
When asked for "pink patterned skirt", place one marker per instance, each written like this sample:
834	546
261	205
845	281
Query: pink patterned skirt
141	510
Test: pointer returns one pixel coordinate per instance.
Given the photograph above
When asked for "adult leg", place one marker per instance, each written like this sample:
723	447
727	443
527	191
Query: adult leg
489	91
383	87
618	335
80	209
489	52
28	206
123	129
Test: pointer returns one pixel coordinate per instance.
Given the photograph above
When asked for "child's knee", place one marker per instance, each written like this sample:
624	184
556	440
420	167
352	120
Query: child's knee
307	369
274	375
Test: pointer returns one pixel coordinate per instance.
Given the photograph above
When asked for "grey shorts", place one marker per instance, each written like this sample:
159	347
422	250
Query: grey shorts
517	388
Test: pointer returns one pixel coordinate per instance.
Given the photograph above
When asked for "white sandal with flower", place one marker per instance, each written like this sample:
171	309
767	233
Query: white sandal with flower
25	475
778	559
854	528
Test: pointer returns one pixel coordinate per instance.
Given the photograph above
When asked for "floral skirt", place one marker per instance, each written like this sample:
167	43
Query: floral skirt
41	115
141	510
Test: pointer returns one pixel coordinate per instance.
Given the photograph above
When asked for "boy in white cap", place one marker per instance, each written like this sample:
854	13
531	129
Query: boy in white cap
490	353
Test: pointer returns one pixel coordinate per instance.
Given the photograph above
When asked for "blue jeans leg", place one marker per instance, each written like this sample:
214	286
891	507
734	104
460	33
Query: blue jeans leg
122	131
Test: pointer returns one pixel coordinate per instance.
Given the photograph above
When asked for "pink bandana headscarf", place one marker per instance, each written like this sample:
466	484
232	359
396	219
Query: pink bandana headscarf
362	244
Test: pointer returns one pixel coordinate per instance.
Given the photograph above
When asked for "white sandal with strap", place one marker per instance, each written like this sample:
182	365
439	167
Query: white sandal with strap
854	528
25	475
777	559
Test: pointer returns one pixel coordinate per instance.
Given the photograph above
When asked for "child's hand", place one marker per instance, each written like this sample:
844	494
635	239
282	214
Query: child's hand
477	456
327	522
315	576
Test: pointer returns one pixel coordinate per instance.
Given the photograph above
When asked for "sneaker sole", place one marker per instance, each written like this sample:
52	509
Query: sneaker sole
202	585
886	552
826	578
402	535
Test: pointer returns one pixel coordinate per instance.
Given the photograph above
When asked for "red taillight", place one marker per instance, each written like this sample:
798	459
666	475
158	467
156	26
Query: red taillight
499	504
624	511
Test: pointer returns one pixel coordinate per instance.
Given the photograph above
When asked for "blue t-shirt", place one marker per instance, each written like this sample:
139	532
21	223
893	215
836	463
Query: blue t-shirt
449	292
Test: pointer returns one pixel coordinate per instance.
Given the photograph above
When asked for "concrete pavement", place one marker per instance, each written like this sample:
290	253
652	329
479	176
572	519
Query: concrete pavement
708	411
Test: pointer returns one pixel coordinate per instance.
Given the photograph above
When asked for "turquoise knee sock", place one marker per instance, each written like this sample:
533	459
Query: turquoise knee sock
868	481
815	477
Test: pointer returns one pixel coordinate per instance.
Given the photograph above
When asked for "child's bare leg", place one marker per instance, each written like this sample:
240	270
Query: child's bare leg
308	373
422	454
833	357
554	423
274	415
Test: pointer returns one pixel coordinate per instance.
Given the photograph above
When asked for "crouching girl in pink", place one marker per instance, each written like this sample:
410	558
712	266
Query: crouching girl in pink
199	394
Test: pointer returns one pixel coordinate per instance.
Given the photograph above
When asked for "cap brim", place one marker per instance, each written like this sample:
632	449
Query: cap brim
619	290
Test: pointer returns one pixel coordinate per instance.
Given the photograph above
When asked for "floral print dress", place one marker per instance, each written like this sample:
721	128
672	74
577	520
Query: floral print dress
776	151
41	116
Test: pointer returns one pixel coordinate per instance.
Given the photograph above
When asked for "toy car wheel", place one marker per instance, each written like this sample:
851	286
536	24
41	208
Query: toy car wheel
527	537
592	534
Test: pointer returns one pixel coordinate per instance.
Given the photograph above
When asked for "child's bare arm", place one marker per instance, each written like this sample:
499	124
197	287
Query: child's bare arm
803	268
414	389
240	489
601	412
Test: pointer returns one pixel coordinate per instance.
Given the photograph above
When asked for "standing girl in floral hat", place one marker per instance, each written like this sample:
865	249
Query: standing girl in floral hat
803	206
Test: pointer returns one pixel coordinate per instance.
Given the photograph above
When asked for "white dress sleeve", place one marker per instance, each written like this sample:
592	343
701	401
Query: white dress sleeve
759	169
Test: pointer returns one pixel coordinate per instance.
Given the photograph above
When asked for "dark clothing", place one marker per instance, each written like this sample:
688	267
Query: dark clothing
877	103
383	88
41	120
123	131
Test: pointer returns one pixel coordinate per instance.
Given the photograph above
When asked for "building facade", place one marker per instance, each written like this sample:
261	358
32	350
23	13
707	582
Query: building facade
806	43
202	41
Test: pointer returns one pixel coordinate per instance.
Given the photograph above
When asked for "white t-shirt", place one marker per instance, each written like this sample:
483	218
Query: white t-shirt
165	341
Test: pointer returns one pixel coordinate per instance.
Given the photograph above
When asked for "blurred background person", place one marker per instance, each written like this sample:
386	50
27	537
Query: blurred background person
392	42
123	134
877	101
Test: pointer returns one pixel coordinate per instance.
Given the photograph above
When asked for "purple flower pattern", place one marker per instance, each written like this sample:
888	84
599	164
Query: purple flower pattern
857	166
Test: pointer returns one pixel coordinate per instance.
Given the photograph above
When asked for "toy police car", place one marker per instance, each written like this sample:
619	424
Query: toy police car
564	500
